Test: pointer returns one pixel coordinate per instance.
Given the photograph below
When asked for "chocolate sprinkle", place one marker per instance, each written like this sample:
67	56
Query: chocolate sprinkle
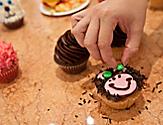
158	83
48	109
153	90
139	112
149	101
109	120
160	91
80	104
89	101
132	119
105	117
146	107
76	116
80	98
127	108
114	78
91	95
95	101
119	76
84	101
83	93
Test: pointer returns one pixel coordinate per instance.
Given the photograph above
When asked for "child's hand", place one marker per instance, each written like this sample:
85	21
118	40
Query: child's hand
93	28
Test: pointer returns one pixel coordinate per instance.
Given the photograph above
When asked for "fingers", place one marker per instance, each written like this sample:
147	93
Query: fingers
105	39
91	38
132	45
77	17
80	29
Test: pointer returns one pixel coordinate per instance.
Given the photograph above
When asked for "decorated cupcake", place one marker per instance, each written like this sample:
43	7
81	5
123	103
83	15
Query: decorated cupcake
11	15
119	88
69	55
8	63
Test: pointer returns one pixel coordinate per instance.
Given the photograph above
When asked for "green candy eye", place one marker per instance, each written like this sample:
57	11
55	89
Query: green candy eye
120	67
107	74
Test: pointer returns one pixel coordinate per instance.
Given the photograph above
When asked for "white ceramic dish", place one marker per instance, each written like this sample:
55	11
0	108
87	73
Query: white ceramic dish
50	12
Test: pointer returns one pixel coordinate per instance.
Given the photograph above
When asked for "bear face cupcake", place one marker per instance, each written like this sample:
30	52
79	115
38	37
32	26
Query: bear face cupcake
8	63
69	55
119	88
11	15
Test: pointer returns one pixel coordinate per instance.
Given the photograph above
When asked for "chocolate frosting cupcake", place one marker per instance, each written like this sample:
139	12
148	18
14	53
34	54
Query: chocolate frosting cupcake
68	52
69	55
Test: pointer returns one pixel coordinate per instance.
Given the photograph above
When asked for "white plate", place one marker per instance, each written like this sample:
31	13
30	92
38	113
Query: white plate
50	12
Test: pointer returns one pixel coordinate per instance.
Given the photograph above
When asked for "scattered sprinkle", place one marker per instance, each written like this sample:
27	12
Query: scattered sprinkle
146	107
80	104
89	101
132	119
76	116
127	108
160	91
95	101
109	120
84	101
153	90
142	67
92	79
83	93
80	98
105	117
39	89
149	101
48	109
158	83
91	95
139	112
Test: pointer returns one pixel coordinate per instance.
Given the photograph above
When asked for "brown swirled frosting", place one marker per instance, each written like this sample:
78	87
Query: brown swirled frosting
68	52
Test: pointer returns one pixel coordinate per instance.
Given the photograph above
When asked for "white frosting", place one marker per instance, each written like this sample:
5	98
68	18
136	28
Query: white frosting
122	83
100	76
13	15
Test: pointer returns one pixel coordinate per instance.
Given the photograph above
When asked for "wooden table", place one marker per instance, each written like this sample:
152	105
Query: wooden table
44	94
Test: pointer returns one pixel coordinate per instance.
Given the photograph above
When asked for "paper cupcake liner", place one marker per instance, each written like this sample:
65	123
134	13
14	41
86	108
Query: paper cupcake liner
16	24
122	104
9	75
74	69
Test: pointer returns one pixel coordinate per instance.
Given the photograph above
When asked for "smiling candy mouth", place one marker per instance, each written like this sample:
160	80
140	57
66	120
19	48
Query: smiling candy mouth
10	15
112	85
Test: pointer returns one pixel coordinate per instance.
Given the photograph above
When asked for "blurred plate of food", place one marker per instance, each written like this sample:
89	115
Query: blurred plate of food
62	7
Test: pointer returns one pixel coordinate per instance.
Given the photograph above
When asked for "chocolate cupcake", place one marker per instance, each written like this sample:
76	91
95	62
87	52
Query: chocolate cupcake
119	88
69	55
11	14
